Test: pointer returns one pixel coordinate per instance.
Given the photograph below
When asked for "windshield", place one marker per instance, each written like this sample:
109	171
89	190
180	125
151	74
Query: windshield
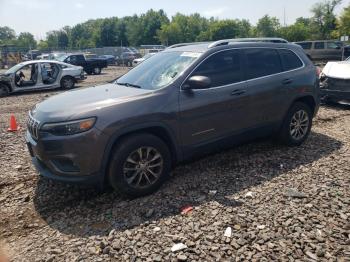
14	69
61	58
159	70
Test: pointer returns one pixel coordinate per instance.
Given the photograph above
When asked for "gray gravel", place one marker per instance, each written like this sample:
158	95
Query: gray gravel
289	204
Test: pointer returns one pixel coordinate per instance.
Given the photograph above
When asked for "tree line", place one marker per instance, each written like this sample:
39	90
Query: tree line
154	27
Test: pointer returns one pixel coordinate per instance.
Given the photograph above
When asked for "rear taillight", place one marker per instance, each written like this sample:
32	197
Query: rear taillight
318	71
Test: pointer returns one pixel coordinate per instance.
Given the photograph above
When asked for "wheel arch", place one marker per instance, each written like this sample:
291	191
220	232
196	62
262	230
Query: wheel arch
159	130
6	84
308	100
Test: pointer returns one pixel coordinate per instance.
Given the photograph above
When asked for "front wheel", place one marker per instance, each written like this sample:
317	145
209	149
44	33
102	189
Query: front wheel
139	165
97	70
297	125
67	82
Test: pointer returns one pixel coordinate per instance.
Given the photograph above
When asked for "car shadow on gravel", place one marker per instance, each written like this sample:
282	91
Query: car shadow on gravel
85	212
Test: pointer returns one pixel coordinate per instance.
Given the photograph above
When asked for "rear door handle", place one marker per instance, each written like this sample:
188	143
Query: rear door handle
287	81
237	92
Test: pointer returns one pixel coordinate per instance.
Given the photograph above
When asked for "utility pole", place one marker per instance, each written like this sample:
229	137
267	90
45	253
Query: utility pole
284	16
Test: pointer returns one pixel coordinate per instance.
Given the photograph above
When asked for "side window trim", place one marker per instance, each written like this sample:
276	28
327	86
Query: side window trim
241	63
297	68
244	67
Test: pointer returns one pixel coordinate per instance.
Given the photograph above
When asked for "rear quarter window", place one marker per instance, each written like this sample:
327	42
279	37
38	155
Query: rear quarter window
262	62
289	60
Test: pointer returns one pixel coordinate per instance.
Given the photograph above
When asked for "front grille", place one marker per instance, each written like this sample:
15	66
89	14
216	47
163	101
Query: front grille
33	127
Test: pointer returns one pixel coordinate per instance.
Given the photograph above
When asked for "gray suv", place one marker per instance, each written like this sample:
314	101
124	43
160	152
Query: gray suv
188	100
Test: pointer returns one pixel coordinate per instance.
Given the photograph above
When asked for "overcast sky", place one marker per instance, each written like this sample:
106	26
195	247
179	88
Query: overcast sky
41	16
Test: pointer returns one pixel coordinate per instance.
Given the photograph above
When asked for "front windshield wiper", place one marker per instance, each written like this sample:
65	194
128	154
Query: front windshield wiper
128	85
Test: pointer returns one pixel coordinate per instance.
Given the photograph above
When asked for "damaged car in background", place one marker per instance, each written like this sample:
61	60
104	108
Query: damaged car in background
335	82
39	74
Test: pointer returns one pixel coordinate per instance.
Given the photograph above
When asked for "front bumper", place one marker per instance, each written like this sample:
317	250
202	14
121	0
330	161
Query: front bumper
335	95
77	158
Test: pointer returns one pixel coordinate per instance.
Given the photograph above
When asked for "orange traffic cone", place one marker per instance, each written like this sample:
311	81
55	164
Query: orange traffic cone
13	124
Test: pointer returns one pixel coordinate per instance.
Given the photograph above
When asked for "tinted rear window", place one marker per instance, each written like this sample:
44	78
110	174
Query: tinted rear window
305	45
262	62
289	60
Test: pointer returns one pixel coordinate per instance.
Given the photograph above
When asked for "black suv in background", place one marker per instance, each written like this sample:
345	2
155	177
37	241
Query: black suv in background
186	101
90	65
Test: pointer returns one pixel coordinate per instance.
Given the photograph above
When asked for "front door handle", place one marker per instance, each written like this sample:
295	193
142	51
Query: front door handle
237	92
287	81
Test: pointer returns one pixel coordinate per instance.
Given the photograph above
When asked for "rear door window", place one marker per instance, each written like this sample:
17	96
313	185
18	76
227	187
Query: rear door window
289	60
222	68
262	62
319	45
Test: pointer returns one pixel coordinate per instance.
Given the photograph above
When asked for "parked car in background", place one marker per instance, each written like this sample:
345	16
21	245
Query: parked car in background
335	82
56	55
39	74
110	59
90	65
126	59
138	61
180	103
43	56
33	54
323	50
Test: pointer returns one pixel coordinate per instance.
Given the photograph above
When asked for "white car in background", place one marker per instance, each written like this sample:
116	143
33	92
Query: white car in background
138	61
40	74
335	82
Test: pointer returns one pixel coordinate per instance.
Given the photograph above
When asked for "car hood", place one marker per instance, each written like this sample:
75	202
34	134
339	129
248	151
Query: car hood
339	70
85	102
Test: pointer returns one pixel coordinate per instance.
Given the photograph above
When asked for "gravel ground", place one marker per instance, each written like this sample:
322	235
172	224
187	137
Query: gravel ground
288	204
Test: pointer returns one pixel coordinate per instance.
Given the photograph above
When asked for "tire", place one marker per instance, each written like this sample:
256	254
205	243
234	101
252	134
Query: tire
67	82
131	176
4	90
97	70
294	132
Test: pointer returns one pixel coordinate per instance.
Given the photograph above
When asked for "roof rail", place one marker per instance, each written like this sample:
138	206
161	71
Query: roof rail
260	39
185	44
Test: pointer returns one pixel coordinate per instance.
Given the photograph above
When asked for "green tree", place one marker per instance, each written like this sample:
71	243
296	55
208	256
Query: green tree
43	45
267	26
324	19
7	35
344	22
183	28
26	40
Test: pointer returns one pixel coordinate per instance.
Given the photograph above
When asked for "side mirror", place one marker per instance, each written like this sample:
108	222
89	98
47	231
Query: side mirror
197	82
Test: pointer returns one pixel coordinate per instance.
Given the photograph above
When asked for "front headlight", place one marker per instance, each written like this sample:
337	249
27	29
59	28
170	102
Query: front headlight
69	128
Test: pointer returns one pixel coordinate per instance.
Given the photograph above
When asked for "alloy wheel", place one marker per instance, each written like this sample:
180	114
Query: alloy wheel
143	167
299	125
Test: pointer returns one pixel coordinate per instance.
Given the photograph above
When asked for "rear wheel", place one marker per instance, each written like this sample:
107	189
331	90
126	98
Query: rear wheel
97	70
139	165
67	82
297	125
4	90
